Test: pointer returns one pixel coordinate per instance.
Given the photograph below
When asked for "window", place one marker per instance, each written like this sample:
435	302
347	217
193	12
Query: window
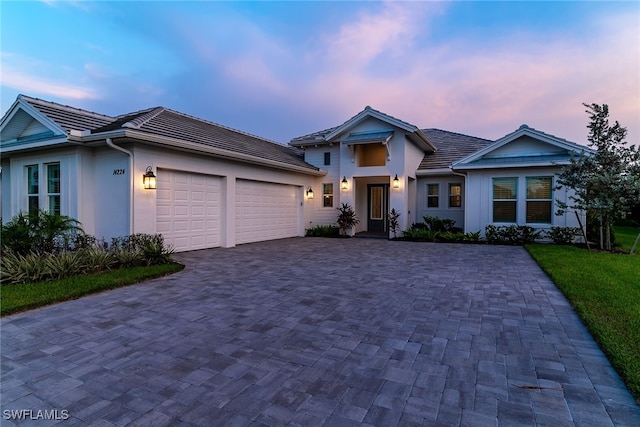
327	195
505	198
51	194
455	195
33	189
539	199
53	187
327	159
433	194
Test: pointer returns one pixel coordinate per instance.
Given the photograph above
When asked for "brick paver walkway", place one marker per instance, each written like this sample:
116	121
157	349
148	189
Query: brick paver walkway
306	332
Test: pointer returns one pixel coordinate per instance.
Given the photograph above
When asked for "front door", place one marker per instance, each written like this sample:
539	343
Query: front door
378	207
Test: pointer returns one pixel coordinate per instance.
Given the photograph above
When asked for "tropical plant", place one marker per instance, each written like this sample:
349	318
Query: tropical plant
347	218
394	224
41	232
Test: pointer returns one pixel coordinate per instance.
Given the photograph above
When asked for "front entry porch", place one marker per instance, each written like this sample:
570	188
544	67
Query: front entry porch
372	203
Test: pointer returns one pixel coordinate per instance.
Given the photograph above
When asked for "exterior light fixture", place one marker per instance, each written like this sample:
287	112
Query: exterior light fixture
309	193
344	184
149	179
396	182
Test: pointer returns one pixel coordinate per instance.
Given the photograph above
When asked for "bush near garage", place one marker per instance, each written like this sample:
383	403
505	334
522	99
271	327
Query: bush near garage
44	246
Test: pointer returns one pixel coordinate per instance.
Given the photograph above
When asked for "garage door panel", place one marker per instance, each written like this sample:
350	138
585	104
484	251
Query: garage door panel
265	211
188	209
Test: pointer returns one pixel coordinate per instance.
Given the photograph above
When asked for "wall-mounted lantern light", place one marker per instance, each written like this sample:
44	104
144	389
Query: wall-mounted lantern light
309	193
396	182
149	179
344	184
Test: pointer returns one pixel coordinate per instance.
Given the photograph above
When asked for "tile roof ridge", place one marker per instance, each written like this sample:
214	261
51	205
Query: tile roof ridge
314	134
457	133
34	100
209	122
143	116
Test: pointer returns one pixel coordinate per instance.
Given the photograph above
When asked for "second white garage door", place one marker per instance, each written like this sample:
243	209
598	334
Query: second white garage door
265	211
188	207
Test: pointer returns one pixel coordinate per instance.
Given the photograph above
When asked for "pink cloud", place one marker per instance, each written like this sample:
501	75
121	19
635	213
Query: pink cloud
484	90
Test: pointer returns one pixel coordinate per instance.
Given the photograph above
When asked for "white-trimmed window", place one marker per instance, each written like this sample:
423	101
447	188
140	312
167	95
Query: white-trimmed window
53	187
539	199
505	199
455	195
433	195
33	188
327	195
43	193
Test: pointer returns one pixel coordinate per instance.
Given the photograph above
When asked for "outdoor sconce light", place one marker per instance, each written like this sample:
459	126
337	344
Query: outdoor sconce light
396	182
309	193
149	179
344	184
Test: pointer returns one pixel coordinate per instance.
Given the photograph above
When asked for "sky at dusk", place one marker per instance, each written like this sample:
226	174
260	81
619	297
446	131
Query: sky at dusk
285	69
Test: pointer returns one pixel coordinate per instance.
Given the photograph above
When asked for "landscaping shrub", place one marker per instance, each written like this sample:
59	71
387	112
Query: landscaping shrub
440	224
90	257
141	249
450	236
420	234
18	268
511	234
323	231
562	235
472	237
40	232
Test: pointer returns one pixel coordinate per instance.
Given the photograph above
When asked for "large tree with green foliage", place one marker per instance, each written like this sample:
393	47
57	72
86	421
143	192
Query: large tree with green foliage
606	183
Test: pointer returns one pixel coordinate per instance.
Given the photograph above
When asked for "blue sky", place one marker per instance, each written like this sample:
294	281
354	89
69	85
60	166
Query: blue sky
284	69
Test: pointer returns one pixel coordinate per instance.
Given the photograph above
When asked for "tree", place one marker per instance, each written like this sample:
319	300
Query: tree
606	182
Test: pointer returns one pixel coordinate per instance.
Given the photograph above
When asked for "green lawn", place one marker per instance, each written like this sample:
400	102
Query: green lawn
604	289
16	298
625	236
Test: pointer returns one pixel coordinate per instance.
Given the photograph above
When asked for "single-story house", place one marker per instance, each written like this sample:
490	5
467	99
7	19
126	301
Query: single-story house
219	187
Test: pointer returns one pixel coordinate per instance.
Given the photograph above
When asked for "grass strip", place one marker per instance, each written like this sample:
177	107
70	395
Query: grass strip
625	236
604	289
16	298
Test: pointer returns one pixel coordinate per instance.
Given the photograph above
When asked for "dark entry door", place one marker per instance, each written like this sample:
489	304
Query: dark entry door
378	207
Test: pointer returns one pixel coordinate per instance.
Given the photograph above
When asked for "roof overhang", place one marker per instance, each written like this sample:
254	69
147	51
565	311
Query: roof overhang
431	172
143	137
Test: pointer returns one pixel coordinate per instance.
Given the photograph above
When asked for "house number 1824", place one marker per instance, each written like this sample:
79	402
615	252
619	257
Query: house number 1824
118	171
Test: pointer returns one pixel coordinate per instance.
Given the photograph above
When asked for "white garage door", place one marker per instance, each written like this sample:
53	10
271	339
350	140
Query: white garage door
265	211
188	207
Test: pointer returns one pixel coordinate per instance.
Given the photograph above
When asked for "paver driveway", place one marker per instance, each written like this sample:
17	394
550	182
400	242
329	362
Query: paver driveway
319	332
